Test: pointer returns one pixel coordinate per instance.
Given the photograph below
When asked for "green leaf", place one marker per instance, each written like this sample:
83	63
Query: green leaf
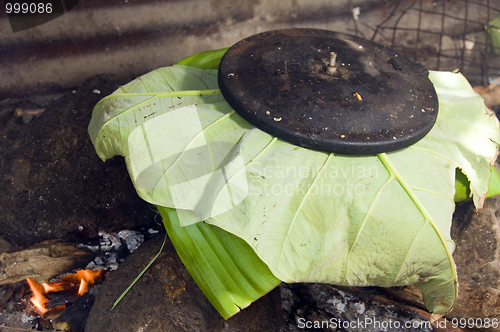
493	29
204	60
494	184
462	185
132	106
310	216
225	268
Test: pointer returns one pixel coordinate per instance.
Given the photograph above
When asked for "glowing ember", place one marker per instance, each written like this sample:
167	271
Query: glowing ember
80	281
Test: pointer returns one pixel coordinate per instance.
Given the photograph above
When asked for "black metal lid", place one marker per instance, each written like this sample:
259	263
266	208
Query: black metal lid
371	100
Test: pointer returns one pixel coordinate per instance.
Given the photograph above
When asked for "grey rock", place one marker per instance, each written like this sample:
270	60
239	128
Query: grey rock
52	180
166	298
477	237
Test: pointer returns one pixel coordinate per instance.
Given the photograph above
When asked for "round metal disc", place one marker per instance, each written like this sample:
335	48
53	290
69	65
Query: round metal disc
376	100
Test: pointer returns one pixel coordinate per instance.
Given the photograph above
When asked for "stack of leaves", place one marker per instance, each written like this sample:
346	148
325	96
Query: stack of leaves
246	210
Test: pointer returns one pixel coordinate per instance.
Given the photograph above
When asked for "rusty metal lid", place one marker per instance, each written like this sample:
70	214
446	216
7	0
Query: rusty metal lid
371	100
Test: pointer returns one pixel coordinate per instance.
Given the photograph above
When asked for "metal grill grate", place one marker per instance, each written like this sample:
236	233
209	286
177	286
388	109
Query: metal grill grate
442	35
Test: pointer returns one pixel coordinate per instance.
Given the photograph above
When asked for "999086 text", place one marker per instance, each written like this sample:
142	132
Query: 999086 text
28	8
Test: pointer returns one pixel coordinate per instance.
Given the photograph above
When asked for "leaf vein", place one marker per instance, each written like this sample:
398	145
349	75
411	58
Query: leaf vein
368	213
222	118
299	208
390	166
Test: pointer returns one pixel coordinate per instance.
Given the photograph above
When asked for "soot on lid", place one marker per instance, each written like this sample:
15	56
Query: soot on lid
328	91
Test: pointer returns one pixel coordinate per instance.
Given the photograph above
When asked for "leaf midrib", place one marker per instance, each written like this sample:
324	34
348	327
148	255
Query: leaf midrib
428	218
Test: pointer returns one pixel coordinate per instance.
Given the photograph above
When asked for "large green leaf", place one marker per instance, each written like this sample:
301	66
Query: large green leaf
223	265
225	268
310	216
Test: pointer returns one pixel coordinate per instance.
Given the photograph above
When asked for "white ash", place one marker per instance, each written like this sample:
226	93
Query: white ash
113	248
27	318
98	260
110	263
359	307
337	304
109	241
133	239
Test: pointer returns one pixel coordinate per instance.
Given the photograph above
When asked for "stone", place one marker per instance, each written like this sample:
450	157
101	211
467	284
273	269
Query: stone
166	298
477	238
52	179
476	234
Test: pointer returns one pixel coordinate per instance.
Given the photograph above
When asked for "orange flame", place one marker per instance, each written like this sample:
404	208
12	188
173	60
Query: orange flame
38	299
55	286
82	279
85	278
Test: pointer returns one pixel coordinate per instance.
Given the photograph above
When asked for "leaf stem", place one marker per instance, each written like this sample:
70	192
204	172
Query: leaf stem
139	276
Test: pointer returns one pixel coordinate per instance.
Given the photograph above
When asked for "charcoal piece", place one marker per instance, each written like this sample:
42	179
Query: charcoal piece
74	318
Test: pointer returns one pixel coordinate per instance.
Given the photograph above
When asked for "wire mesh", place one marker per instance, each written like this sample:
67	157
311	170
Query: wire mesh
441	34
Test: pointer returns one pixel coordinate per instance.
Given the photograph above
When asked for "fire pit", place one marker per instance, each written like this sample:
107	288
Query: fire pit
64	302
47	296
